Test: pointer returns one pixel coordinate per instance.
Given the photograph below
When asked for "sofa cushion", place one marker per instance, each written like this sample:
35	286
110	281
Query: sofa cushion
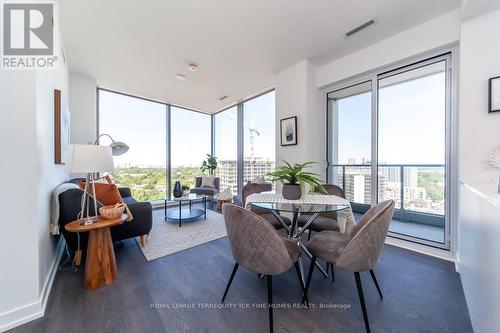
208	181
205	190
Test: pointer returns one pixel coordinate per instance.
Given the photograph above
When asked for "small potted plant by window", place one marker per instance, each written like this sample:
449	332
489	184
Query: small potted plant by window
209	164
294	179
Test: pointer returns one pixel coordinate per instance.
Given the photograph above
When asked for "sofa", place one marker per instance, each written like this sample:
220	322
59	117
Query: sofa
70	206
208	191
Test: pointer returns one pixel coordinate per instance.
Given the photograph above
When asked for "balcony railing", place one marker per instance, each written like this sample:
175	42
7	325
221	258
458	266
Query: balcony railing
418	189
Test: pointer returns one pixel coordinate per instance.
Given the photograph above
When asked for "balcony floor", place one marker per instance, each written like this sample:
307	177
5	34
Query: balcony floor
419	230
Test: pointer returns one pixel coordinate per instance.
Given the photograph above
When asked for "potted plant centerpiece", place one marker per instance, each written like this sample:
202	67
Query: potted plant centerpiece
294	179
209	164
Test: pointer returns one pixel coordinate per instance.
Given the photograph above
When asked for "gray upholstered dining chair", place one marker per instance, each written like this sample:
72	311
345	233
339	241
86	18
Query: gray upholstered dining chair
325	221
251	188
357	252
256	246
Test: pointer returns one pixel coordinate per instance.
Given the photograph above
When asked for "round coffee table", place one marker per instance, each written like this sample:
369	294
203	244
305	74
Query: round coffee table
100	265
182	214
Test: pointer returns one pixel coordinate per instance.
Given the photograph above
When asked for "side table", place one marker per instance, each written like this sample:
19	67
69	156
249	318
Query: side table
100	265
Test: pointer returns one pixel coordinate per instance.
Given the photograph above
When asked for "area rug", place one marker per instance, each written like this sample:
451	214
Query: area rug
167	237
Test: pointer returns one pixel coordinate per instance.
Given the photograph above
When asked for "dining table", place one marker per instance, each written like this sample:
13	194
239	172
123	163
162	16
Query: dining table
311	205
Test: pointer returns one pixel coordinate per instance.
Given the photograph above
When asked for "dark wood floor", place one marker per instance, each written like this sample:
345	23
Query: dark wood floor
421	294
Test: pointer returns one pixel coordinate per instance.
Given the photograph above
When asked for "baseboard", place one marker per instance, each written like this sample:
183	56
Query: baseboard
457	263
35	310
427	250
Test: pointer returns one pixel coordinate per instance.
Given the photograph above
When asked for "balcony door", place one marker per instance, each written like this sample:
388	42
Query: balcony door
389	139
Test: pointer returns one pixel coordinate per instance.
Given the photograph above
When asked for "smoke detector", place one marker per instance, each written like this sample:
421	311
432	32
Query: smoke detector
180	77
193	67
360	28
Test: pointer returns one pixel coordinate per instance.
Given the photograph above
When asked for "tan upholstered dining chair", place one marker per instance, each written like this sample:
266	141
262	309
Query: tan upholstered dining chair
251	188
358	252
256	246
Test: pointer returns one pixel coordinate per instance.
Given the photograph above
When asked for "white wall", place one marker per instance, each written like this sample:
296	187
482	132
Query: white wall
479	130
479	219
28	253
425	37
297	95
82	105
18	171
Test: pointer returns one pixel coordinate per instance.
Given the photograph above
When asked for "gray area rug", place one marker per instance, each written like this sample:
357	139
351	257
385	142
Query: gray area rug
167	237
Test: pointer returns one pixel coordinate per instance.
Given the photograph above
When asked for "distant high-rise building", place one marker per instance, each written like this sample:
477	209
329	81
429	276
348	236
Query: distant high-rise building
252	167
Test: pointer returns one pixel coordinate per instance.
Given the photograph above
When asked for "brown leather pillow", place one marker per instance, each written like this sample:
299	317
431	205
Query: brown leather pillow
107	194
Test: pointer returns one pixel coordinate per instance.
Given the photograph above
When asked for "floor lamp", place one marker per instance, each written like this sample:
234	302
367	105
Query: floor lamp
89	159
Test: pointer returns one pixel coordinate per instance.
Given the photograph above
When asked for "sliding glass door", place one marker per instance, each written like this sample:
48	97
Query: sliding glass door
388	139
350	138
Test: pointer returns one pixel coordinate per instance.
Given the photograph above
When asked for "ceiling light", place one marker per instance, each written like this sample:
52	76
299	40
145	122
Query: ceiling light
193	67
180	77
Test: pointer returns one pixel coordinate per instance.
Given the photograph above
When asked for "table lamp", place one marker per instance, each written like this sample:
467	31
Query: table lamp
89	159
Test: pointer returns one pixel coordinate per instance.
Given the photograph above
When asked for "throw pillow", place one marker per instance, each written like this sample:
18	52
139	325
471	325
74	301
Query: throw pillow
208	181
107	194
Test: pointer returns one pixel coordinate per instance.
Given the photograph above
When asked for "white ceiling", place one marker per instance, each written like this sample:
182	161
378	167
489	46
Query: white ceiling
138	46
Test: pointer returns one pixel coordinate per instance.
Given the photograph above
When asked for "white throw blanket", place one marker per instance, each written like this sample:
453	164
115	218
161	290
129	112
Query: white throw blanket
54	206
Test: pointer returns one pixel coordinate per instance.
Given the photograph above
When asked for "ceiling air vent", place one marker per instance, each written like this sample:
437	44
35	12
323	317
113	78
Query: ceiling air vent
360	28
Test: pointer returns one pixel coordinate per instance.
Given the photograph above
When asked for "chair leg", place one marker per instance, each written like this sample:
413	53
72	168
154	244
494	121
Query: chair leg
372	273
362	300
333	271
309	276
309	235
270	301
327	267
302	287
235	268
143	240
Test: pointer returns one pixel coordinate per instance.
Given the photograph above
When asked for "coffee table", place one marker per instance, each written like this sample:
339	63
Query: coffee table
182	214
100	265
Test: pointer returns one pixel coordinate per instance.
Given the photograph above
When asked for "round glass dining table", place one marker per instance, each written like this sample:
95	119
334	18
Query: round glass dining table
310	209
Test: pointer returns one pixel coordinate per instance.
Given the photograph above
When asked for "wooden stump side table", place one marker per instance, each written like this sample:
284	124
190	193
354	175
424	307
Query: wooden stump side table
100	265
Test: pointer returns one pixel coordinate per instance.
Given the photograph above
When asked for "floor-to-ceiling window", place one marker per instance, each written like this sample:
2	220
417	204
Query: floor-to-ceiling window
226	147
169	143
190	135
141	124
402	155
259	136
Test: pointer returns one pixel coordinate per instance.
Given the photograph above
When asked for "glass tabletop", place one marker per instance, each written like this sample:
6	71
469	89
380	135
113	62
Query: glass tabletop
189	197
300	207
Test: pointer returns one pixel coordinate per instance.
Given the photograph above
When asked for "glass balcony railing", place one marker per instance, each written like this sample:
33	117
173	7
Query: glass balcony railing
417	189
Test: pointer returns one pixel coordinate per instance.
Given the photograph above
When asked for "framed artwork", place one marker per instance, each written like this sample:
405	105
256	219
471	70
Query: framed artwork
494	94
288	131
61	127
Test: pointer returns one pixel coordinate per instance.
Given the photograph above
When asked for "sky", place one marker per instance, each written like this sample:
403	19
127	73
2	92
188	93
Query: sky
411	122
141	125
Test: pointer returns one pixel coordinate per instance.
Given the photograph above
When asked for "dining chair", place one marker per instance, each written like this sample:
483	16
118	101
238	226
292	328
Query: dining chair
256	246
325	221
251	188
358	252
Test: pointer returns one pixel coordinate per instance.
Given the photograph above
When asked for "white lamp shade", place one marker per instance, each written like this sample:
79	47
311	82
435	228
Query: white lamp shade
89	159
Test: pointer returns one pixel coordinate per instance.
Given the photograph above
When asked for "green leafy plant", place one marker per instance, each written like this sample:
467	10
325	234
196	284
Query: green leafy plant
295	175
209	164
